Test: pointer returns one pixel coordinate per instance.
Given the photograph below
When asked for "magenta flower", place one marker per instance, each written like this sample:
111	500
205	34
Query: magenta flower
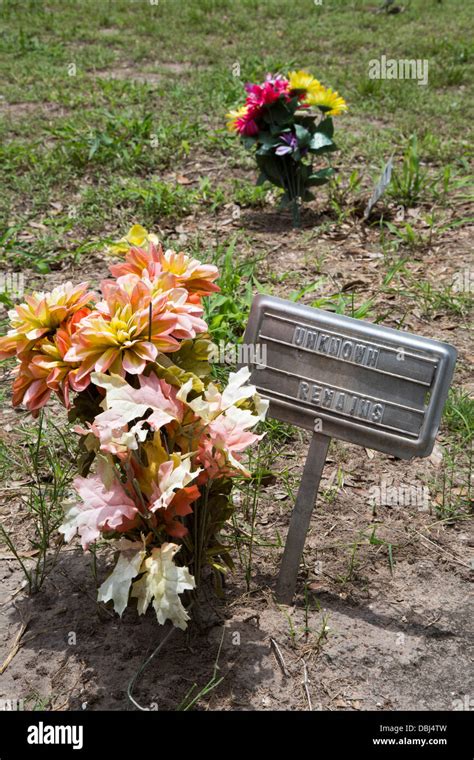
265	94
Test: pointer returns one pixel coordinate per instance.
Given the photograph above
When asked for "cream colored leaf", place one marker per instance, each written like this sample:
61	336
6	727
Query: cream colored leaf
162	582
117	586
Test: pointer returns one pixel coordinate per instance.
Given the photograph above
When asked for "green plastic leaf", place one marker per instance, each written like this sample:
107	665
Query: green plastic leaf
278	113
304	137
266	138
272	168
320	177
326	126
264	150
319	141
249	141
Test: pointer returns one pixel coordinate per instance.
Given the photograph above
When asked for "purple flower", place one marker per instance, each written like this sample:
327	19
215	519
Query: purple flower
291	144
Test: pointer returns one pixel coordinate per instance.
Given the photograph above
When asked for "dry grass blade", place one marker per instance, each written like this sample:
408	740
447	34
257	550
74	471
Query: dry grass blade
279	657
16	646
306	686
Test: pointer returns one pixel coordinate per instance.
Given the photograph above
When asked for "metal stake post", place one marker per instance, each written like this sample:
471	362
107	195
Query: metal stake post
300	518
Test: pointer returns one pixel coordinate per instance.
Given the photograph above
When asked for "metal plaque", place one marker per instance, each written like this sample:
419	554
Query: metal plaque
377	387
343	378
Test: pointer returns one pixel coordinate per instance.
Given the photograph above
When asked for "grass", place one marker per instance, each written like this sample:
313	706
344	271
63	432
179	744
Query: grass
101	125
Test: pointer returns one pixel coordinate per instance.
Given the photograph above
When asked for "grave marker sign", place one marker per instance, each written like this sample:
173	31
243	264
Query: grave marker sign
349	379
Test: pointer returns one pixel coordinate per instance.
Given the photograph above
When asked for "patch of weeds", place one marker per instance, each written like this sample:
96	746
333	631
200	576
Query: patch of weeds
410	179
369	88
352	565
195	694
365	539
445	299
154	199
345	303
453	485
214	197
227	312
430	299
412	238
41	253
342	195
246	500
247	194
123	141
147	200
339	303
458	415
34	701
45	456
278	432
329	494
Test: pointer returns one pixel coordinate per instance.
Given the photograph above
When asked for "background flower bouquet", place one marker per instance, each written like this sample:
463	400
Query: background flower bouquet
278	121
160	441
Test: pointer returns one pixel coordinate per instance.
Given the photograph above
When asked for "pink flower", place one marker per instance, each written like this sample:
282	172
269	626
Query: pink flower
42	313
168	269
246	124
265	94
105	507
44	370
223	440
245	119
126	330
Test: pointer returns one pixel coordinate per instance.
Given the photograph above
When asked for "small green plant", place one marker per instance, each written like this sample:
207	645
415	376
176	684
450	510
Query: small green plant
192	698
247	194
411	238
376	541
409	180
214	197
353	563
122	140
369	88
50	468
249	500
452	486
154	199
344	303
365	539
442	299
459	415
341	194
227	312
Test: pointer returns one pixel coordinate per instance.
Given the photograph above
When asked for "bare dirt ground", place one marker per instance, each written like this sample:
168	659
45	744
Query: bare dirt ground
377	641
362	635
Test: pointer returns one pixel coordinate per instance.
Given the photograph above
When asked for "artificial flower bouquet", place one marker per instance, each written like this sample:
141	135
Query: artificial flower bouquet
278	120
160	440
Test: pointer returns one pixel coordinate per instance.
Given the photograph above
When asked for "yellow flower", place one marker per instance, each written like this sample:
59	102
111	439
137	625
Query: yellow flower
137	236
301	80
234	116
327	98
42	313
127	330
